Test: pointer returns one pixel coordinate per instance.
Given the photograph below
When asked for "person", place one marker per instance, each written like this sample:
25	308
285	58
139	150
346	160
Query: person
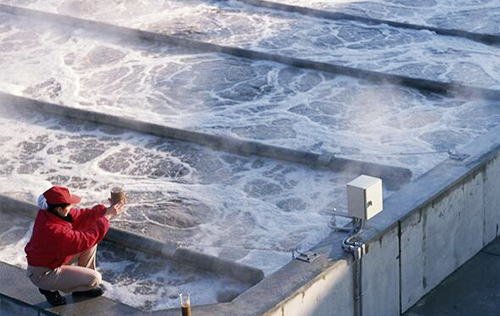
63	235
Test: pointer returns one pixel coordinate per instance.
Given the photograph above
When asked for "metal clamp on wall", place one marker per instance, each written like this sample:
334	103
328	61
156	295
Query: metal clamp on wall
308	256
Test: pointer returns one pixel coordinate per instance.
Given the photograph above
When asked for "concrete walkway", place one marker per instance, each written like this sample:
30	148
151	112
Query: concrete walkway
474	289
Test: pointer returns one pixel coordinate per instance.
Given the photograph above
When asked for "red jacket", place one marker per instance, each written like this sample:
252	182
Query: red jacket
55	240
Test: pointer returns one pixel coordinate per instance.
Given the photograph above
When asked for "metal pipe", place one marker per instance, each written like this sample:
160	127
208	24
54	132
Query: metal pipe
357	249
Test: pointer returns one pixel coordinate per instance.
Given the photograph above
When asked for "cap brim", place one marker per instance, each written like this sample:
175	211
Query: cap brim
75	199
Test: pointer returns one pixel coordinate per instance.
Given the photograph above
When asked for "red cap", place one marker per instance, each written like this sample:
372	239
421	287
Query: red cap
60	195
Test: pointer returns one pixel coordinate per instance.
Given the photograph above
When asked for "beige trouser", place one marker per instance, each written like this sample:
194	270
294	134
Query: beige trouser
68	278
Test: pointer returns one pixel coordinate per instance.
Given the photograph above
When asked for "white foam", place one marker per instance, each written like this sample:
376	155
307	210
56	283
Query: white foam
14	253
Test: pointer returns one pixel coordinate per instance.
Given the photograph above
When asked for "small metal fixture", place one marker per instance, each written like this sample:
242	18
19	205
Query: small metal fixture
308	256
457	156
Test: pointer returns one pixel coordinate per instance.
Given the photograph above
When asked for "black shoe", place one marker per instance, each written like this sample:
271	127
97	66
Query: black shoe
95	292
53	297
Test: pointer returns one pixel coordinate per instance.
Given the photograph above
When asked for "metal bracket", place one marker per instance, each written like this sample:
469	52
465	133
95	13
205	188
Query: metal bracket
457	156
308	256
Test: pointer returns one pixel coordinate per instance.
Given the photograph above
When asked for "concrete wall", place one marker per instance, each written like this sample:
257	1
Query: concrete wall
448	231
329	294
440	237
380	276
416	252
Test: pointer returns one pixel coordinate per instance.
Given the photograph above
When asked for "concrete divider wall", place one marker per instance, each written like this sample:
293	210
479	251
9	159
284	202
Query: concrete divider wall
380	276
418	251
333	15
169	250
393	177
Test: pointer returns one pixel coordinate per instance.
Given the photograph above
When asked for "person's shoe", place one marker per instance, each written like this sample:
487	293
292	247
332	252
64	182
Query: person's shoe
95	292
53	297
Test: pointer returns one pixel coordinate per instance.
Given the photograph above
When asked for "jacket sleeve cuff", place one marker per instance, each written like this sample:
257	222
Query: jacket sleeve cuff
100	210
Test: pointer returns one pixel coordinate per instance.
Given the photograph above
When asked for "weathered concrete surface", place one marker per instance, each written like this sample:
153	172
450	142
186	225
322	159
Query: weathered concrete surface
330	294
491	201
380	271
442	218
440	237
12	307
15	284
474	289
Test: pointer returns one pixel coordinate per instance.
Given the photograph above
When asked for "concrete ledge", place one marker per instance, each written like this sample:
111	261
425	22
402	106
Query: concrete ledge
433	184
155	247
12	307
332	15
393	176
377	77
17	293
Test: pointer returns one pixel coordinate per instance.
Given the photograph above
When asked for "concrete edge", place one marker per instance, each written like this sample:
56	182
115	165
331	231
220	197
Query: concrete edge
334	15
16	288
378	77
441	178
20	303
155	247
394	176
295	278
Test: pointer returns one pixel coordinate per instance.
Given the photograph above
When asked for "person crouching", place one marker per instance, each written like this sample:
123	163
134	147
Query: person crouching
63	235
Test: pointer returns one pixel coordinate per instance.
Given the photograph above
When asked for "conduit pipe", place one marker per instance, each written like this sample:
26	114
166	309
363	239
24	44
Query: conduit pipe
357	249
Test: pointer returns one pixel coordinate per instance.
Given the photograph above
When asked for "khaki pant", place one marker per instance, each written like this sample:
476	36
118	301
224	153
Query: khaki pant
68	278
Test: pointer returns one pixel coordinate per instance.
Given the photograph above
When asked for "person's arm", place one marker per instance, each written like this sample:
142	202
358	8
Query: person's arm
83	218
72	241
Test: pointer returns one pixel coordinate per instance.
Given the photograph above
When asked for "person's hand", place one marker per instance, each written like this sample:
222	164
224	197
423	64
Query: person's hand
114	210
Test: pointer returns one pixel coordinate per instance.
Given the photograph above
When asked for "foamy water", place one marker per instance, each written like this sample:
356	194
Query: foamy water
248	209
261	101
177	192
416	54
474	16
136	279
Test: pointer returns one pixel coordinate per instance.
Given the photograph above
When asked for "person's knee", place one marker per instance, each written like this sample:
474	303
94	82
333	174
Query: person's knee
96	280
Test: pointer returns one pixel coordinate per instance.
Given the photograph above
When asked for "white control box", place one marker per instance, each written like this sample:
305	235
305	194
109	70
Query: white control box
364	197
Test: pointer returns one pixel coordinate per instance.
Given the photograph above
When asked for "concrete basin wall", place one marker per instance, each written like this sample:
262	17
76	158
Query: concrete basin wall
426	232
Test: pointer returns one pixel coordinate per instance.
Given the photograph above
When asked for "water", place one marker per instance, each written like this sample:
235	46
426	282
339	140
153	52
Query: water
416	54
251	100
143	281
479	16
176	191
243	208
